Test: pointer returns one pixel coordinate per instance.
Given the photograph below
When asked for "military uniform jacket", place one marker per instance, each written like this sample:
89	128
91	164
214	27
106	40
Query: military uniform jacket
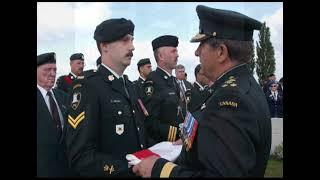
139	86
65	83
51	157
198	95
234	132
103	125
162	101
187	84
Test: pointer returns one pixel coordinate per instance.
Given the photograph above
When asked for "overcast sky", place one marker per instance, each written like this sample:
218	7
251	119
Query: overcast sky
67	28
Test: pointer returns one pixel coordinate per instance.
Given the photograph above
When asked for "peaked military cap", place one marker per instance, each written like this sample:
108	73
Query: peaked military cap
46	58
166	40
224	24
77	56
143	62
113	29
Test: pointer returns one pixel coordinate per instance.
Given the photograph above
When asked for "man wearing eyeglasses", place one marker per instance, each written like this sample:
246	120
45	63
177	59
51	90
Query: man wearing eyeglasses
77	64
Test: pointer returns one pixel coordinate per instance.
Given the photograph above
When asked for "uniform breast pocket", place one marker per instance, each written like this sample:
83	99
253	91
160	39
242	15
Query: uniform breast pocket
121	117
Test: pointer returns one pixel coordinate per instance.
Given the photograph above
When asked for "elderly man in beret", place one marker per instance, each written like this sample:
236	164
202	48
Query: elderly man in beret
76	64
51	113
230	136
105	120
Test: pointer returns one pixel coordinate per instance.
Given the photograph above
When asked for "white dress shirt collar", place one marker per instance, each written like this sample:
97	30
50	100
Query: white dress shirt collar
114	73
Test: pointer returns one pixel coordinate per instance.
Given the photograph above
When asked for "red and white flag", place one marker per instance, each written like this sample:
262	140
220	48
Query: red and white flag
163	149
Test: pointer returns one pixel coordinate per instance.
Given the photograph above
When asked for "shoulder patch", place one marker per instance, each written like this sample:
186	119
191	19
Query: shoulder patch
76	99
230	82
148	88
228	103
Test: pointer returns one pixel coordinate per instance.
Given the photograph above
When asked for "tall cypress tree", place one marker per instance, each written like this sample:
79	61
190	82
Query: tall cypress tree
252	63
265	64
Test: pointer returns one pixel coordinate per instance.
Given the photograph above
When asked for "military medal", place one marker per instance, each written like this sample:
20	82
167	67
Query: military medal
189	130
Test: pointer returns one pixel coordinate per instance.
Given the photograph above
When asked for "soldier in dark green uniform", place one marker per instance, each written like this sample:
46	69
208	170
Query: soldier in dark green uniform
105	121
232	135
144	68
92	71
64	82
200	90
162	92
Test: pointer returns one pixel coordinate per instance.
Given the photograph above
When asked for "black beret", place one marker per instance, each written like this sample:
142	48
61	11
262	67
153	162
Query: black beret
77	56
224	24
166	40
113	29
46	58
98	62
197	70
143	62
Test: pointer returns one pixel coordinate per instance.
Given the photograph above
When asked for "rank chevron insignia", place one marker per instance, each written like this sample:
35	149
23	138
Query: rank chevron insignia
74	122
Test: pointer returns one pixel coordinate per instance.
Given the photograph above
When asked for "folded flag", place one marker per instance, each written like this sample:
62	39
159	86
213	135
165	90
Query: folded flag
163	149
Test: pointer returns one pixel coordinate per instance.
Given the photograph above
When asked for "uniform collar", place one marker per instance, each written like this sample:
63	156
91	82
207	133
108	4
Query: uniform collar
72	74
200	86
163	73
43	91
142	79
112	72
233	70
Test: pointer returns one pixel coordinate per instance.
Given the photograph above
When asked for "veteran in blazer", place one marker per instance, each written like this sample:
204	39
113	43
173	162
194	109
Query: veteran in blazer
51	119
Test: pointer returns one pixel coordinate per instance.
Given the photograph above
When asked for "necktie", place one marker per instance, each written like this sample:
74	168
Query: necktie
182	92
55	114
182	102
124	86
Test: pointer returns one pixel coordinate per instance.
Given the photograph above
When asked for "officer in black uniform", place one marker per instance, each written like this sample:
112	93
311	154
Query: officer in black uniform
162	92
105	121
144	68
76	63
200	90
232	135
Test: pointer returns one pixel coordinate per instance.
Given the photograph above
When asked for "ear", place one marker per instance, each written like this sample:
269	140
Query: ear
222	53
103	46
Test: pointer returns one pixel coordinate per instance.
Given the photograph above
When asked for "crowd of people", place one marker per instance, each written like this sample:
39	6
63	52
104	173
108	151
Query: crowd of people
90	121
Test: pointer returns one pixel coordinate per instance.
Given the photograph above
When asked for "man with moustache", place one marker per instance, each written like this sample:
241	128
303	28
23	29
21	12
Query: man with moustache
76	64
105	120
162	92
232	135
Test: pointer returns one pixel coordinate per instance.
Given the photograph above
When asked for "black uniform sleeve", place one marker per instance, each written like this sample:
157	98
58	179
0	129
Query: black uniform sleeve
225	142
81	139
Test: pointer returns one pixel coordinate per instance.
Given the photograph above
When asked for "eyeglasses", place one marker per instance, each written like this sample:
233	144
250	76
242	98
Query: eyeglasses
274	86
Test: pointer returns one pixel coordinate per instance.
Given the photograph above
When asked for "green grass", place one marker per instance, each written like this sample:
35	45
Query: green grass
274	168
